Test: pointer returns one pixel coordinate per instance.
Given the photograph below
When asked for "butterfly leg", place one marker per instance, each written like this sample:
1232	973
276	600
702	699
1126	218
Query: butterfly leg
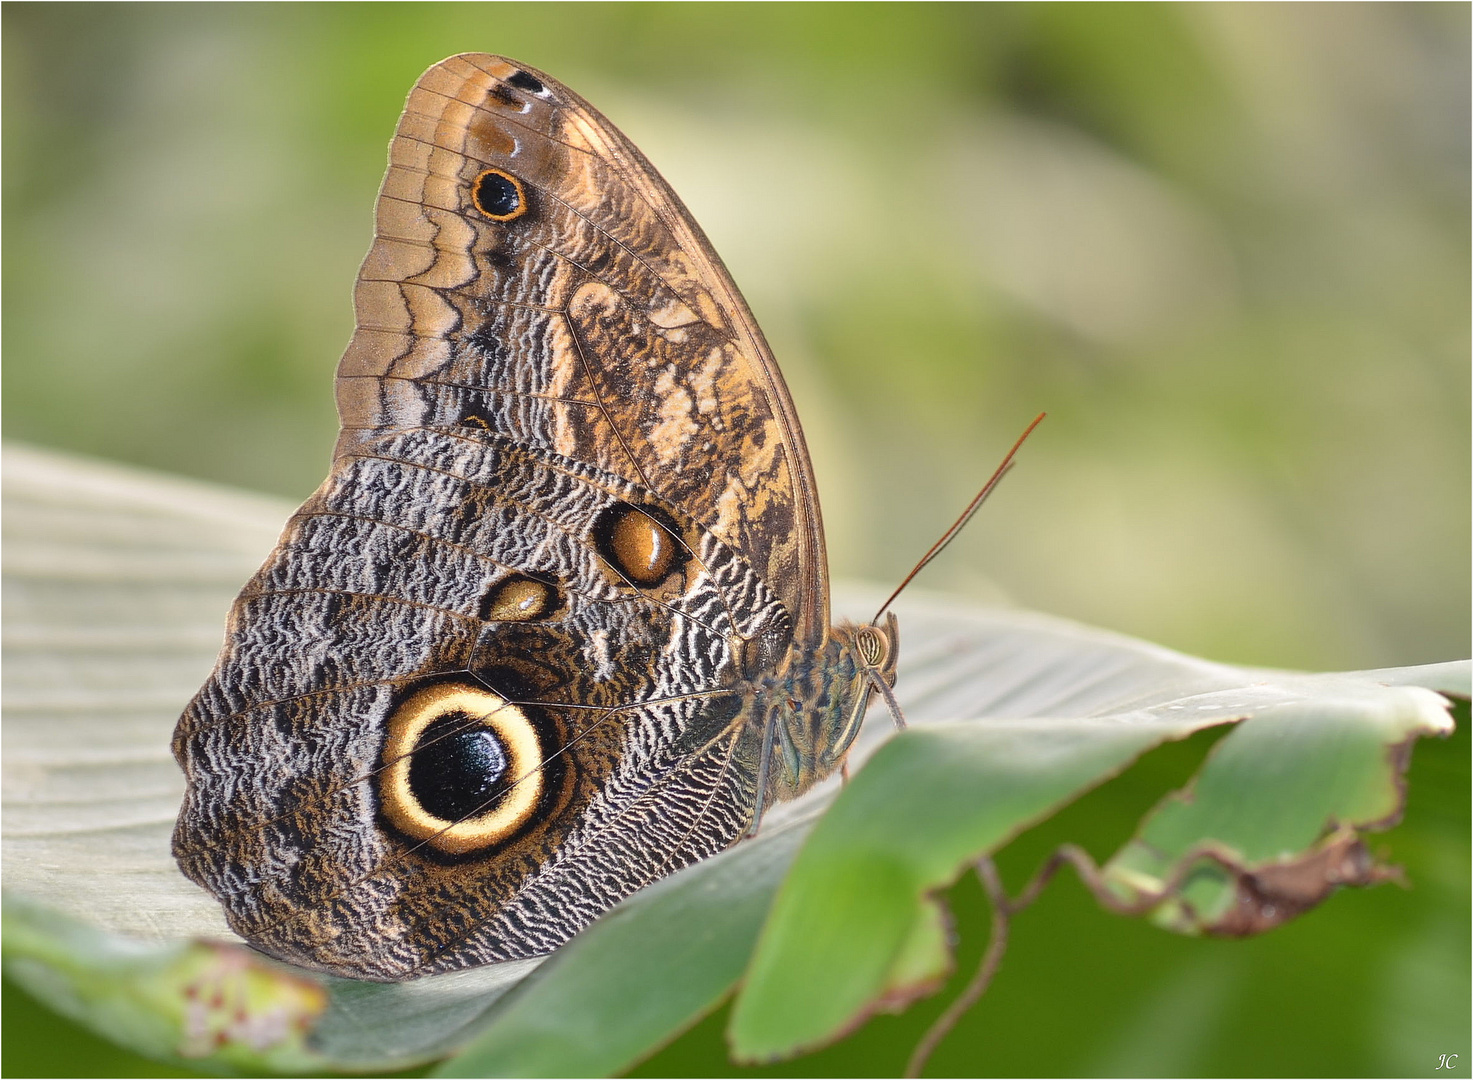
883	687
764	769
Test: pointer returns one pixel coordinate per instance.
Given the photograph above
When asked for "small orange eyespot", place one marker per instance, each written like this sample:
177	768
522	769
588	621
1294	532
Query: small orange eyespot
642	548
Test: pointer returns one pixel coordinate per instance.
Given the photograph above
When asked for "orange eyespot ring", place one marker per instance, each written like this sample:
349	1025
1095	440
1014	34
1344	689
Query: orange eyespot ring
499	195
462	768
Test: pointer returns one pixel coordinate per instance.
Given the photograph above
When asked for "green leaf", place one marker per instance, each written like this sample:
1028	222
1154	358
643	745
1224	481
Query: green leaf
183	1002
645	971
1276	809
929	803
933	801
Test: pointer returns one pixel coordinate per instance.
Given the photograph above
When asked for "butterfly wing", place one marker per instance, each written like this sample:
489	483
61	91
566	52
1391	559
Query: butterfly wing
498	673
595	321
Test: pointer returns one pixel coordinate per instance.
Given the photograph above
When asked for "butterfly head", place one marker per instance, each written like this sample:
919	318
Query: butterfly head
815	707
872	649
876	646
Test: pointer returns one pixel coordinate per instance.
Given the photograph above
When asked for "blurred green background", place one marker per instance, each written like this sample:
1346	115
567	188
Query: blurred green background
1224	246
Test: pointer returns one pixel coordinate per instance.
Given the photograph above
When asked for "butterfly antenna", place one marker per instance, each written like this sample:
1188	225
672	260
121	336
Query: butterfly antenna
961	523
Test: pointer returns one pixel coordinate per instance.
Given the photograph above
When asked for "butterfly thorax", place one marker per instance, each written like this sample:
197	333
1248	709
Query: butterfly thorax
811	708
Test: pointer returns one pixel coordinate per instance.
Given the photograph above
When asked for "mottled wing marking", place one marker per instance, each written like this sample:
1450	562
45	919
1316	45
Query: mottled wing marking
692	810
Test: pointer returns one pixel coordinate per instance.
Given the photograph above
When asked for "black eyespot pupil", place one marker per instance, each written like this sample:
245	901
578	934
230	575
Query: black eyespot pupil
497	196
455	770
522	81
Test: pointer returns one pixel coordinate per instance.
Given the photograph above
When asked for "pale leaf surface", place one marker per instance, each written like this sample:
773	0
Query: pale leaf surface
117	583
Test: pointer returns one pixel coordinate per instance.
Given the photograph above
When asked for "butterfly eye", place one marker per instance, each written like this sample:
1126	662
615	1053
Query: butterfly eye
499	195
462	768
873	646
640	546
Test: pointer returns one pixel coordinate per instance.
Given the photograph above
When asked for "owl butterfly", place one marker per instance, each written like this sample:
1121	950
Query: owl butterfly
557	622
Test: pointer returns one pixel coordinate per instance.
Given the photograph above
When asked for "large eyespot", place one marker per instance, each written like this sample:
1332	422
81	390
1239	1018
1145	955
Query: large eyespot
499	195
639	542
462	768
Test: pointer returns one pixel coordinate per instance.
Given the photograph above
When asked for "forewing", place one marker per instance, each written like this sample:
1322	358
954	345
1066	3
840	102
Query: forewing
595	321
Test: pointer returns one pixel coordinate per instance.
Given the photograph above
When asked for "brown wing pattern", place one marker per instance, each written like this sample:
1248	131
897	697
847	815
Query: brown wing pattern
594	321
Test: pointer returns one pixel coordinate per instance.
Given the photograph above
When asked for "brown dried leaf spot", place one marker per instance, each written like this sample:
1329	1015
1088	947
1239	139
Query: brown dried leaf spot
1269	896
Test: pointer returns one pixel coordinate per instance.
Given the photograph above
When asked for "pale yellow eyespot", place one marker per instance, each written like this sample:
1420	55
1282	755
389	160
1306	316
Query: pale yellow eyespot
518	599
462	768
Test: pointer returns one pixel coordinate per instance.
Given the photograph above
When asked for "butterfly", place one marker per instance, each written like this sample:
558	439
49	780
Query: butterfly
557	622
